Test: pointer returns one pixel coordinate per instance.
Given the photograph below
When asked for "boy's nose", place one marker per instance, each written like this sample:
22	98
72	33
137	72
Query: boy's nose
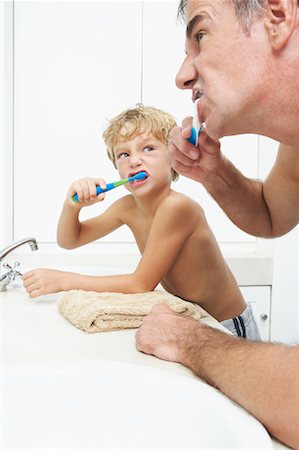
135	161
187	74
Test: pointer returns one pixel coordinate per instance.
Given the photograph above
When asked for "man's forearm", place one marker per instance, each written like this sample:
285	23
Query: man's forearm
241	199
261	377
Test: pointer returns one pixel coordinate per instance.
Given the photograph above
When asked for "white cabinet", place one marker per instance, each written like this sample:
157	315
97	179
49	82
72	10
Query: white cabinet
259	298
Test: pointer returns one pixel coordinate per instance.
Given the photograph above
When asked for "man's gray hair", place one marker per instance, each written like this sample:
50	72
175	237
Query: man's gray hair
246	10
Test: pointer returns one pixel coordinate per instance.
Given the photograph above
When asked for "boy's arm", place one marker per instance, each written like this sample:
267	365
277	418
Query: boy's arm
174	222
168	233
71	233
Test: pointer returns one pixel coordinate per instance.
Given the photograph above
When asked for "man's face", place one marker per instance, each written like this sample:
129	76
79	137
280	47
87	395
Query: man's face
224	66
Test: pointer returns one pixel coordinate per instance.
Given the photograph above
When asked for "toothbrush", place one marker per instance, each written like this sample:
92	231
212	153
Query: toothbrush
114	184
196	128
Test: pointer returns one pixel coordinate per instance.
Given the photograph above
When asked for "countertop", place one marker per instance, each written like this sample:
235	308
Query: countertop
34	331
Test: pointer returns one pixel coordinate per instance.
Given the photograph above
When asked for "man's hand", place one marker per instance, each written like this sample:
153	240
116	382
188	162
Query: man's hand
163	334
198	163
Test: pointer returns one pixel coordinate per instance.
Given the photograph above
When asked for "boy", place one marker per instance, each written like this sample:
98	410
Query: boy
177	246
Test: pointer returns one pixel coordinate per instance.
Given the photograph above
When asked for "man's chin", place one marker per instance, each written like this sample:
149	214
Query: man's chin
213	131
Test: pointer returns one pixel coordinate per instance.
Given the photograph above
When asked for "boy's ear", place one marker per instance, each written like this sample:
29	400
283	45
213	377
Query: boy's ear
281	21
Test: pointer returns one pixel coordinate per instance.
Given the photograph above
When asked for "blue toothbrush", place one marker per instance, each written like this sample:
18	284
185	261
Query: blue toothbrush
114	184
196	128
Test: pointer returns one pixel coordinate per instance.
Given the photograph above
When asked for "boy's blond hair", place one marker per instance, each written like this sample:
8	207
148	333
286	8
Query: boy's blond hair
139	120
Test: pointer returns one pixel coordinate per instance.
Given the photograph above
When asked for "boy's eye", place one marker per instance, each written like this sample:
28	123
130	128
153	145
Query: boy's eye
148	148
122	155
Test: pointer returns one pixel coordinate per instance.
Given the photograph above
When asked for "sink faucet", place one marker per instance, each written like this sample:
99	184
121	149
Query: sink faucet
31	241
9	276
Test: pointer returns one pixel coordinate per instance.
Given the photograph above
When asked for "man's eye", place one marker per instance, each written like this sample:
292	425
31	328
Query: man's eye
148	148
199	35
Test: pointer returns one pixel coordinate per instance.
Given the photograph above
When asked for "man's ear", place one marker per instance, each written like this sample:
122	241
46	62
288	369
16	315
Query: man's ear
281	21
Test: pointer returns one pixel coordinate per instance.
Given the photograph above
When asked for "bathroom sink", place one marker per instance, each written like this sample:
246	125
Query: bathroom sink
109	404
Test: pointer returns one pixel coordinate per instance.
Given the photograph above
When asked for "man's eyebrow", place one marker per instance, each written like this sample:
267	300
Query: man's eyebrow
193	22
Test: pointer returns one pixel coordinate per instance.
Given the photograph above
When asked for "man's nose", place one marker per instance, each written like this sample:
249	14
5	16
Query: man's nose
187	74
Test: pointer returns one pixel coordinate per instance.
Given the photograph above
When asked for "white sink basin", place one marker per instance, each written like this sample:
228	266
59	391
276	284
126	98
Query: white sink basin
105	405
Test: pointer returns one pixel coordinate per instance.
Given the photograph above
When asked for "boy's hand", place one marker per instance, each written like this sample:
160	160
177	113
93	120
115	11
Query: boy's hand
198	163
43	281
85	188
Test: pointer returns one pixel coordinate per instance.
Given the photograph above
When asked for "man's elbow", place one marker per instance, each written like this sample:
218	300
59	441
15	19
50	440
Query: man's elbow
293	439
288	434
282	227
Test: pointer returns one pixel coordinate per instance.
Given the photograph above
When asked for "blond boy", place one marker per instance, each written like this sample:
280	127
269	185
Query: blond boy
177	246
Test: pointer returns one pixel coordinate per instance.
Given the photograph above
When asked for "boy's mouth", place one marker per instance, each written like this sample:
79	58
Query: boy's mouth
138	180
132	174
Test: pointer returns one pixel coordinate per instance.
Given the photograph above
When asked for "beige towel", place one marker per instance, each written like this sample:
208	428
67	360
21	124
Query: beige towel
106	311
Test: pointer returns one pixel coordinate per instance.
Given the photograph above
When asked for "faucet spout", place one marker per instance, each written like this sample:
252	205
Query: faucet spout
31	241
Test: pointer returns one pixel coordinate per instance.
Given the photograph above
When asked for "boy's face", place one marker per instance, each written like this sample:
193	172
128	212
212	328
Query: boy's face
143	153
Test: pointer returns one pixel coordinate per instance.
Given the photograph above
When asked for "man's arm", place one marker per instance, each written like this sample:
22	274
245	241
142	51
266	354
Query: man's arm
266	209
262	378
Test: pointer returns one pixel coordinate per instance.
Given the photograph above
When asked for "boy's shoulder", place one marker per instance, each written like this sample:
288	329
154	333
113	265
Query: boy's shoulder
181	200
124	204
178	203
127	201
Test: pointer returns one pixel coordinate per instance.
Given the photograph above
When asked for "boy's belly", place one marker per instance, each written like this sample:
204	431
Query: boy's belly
222	299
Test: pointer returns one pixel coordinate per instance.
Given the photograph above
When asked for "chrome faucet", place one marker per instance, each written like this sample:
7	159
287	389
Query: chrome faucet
10	276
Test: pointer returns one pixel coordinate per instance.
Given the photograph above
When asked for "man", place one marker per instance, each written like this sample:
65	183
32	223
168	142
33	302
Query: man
242	63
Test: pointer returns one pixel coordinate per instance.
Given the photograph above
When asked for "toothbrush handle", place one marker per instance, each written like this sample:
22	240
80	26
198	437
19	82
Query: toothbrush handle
196	126
195	133
109	186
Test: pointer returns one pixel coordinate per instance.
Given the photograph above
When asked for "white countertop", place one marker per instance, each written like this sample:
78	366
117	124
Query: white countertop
34	331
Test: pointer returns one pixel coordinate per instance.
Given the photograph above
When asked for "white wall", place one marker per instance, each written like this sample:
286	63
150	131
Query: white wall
6	123
75	65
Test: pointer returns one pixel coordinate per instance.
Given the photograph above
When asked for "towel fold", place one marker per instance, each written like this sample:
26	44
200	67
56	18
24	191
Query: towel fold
94	312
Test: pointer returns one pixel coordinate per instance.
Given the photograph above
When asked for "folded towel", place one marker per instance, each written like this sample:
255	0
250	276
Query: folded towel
106	311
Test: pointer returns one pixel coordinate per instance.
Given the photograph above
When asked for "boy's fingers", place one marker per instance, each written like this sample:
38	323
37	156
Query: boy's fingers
79	191
91	191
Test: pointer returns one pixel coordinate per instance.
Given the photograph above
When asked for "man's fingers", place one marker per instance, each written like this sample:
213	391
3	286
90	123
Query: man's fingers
178	156
187	122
